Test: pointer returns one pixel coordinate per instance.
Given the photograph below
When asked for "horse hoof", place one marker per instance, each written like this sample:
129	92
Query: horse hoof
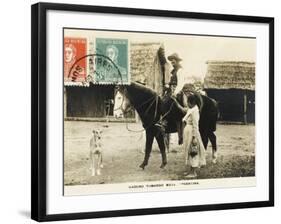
163	165
142	166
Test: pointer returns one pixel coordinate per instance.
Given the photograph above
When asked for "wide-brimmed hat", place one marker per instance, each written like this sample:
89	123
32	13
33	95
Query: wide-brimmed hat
174	56
188	87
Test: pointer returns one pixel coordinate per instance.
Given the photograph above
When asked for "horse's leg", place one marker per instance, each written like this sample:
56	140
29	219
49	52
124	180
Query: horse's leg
213	140
148	146
204	137
180	132
167	141
161	144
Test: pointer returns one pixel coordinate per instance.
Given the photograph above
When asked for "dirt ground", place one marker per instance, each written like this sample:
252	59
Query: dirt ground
122	154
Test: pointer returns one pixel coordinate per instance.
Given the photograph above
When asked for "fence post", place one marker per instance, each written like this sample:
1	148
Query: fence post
245	108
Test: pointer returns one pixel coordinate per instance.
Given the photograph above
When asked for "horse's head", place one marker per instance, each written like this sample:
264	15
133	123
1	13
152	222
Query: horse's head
122	104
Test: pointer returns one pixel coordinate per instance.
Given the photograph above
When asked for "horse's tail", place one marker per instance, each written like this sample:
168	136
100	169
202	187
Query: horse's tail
216	107
210	113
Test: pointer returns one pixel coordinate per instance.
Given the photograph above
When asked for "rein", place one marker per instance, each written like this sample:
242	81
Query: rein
120	107
150	105
155	114
152	99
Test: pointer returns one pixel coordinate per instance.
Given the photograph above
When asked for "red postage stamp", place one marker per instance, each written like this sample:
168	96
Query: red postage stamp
75	64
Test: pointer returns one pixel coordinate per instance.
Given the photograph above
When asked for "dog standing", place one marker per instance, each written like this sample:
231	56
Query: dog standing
96	152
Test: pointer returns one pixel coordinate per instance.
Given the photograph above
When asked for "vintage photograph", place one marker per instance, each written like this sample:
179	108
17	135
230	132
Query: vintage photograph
157	111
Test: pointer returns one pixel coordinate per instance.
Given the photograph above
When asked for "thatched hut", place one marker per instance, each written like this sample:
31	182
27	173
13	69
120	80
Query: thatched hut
147	66
232	85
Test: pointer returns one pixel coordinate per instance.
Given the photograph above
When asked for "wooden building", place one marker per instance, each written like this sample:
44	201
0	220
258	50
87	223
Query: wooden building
147	66
232	85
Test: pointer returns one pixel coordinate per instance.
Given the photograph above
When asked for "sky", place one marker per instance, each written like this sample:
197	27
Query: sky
194	50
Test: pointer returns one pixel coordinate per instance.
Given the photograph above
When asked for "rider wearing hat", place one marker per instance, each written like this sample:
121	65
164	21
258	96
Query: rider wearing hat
177	76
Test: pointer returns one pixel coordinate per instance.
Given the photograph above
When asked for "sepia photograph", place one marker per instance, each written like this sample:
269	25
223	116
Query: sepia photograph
157	111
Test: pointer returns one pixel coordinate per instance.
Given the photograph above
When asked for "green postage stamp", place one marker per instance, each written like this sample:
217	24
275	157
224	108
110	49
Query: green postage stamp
112	65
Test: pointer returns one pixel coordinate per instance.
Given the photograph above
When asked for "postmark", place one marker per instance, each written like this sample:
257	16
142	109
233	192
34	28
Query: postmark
95	77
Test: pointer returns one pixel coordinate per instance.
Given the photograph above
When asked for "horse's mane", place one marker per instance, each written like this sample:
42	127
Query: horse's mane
140	91
146	102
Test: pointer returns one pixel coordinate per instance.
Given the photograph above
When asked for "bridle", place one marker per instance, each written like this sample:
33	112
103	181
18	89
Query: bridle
131	108
153	99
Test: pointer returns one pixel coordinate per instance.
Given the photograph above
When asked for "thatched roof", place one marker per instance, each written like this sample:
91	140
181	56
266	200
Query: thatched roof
146	61
230	75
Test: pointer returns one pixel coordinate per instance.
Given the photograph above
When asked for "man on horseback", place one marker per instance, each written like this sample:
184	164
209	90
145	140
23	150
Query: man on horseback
177	77
174	86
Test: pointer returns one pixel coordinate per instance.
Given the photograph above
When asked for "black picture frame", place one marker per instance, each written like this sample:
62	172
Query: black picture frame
39	122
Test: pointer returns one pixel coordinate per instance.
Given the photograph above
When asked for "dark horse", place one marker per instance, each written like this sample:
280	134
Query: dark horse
155	113
148	106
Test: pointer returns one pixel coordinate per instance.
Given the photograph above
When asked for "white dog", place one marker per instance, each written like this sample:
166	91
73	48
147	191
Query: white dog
96	152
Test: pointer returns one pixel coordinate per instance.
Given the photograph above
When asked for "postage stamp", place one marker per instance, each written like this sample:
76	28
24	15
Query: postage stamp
75	65
114	66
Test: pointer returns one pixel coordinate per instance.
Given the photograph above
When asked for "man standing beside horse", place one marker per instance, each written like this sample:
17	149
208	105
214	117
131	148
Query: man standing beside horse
207	106
208	116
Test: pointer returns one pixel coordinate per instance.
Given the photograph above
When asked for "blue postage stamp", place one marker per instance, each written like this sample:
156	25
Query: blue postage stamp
112	65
